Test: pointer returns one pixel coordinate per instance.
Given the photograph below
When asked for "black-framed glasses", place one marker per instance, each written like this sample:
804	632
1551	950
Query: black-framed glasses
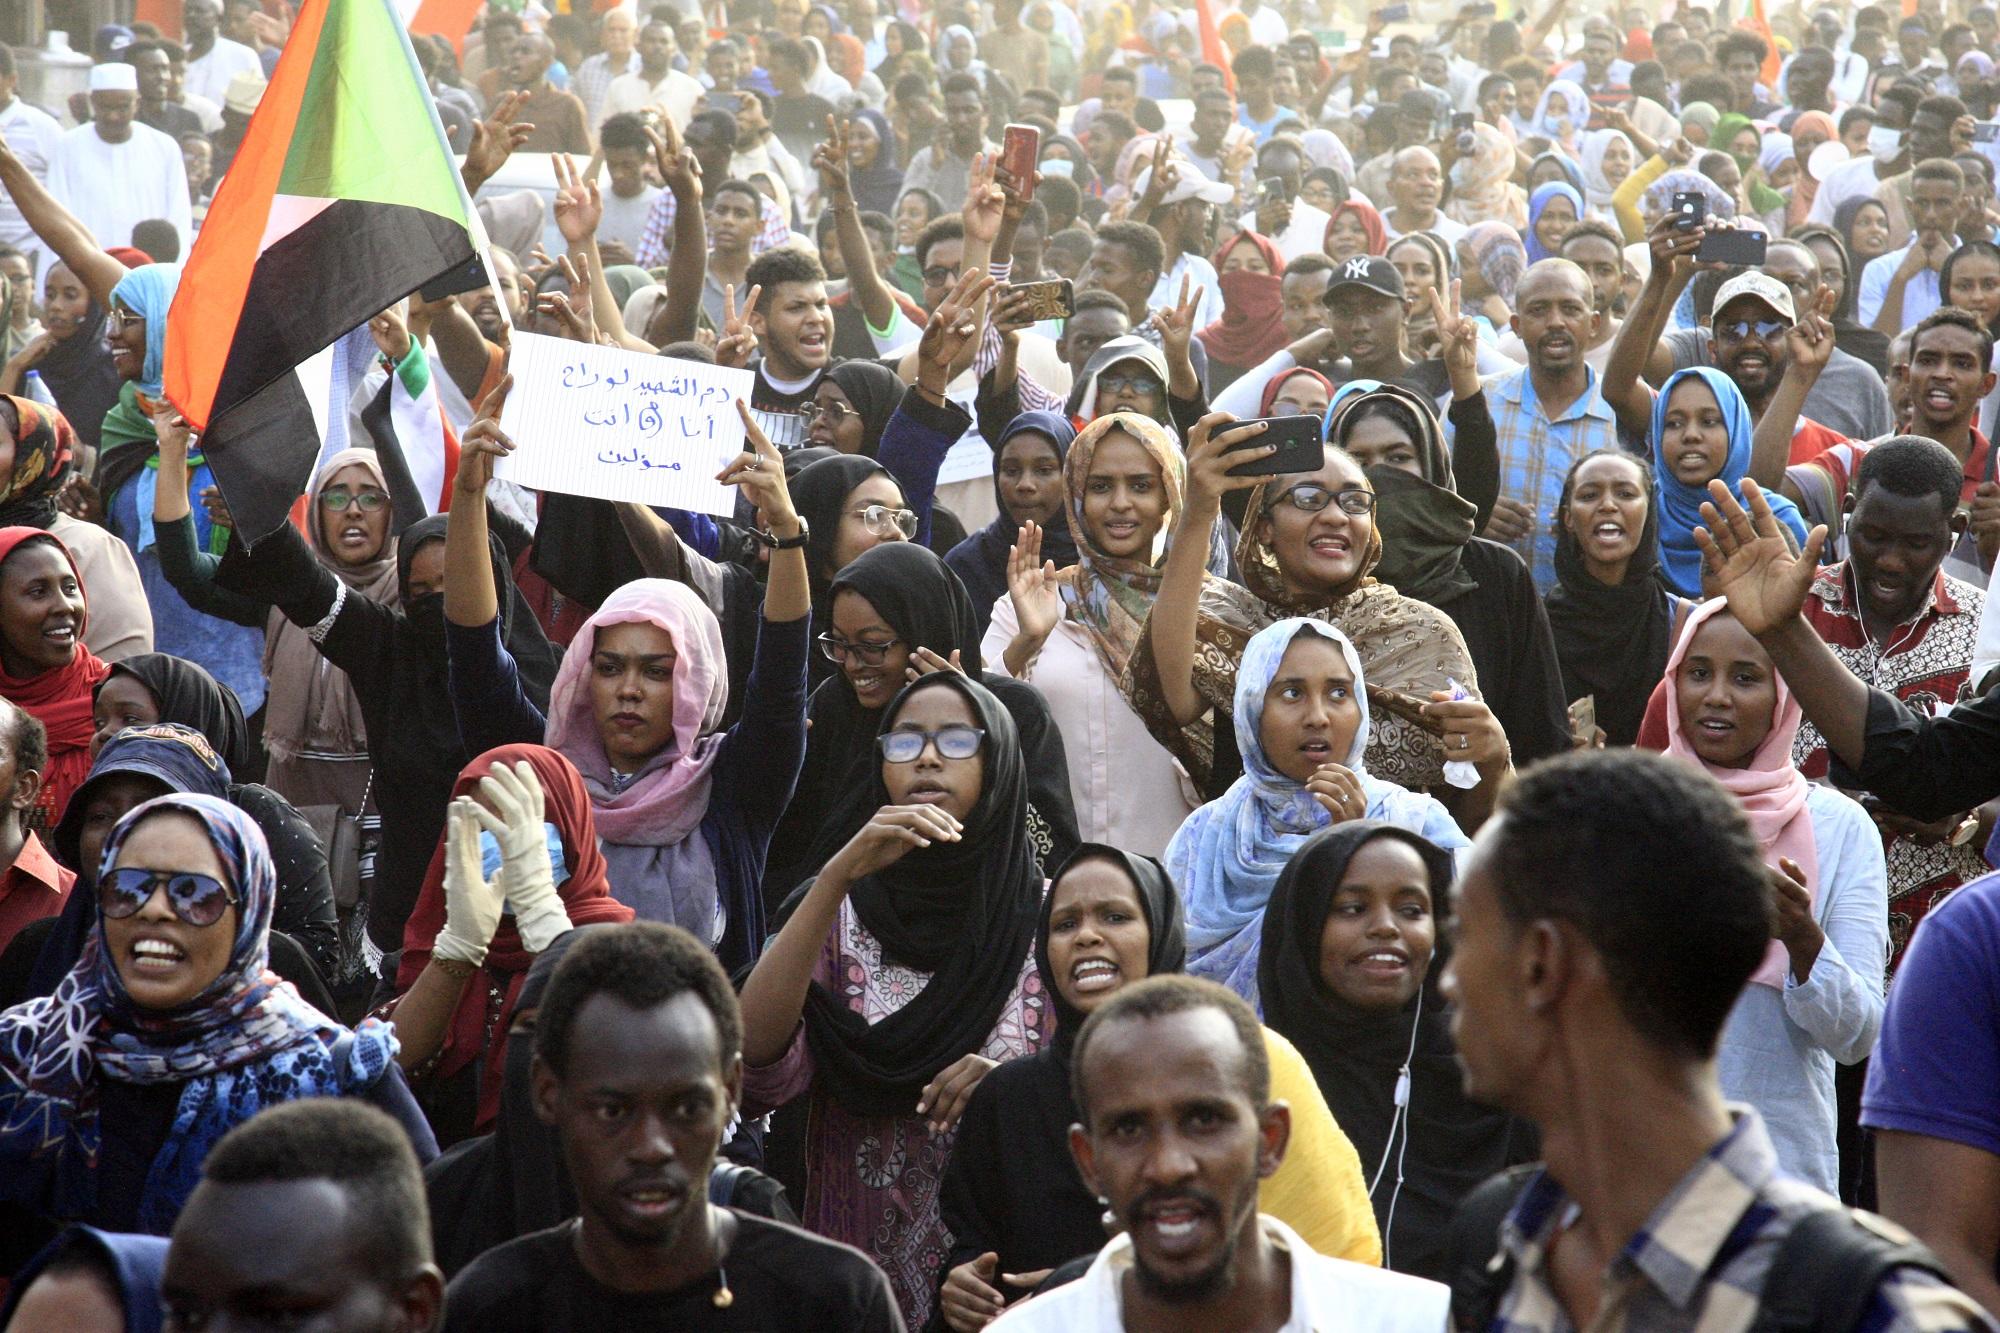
884	521
868	654
338	498
940	276
1736	330
1110	384
197	899
1310	497
956	741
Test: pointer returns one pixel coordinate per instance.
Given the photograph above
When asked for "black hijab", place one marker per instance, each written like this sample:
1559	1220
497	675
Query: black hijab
980	561
79	373
820	492
927	606
875	390
495	1188
184	692
1611	639
1166	948
1356	1055
1423	521
964	911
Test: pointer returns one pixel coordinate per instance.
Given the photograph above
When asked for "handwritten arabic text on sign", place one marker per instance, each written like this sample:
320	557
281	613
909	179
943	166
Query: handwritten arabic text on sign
620	425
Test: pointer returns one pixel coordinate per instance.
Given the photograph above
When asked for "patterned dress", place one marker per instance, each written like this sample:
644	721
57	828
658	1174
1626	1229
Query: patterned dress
1925	664
873	1181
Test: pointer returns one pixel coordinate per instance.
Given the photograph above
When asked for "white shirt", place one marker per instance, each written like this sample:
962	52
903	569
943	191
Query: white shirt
113	186
1129	792
1268	26
1445	228
33	134
1201	275
1920	293
675	93
1849	180
210	75
1327	1294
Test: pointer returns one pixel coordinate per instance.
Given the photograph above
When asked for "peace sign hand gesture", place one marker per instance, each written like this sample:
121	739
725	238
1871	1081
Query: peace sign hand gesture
739	341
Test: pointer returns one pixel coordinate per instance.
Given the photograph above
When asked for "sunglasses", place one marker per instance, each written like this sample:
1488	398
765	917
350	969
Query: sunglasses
1736	330
957	741
868	654
1311	499
884	521
940	276
1110	384
339	498
196	899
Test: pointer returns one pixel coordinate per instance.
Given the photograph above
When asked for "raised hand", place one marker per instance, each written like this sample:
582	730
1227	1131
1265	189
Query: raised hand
830	161
1032	586
472	904
952	325
391	334
579	207
572	308
927	662
494	140
172	429
527	878
1986	520
80	500
1458	336
760	472
483	444
1165	174
985	202
1210	455
1673	248
943	1099
1749	558
892	833
1469	730
1176	322
679	171
738	343
1809	342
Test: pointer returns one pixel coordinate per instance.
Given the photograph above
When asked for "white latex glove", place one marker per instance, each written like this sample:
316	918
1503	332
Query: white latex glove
526	878
471	905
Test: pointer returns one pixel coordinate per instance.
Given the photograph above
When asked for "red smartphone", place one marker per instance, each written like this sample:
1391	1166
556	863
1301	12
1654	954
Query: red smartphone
1020	149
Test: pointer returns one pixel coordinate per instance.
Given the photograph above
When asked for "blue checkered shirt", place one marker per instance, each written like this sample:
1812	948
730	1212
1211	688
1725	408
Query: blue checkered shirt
1536	454
1698	1264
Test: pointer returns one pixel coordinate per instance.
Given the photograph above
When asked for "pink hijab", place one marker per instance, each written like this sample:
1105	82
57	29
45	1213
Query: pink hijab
1771	790
667	800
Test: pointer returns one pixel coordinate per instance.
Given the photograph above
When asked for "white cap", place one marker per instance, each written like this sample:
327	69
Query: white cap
1190	183
114	76
1763	287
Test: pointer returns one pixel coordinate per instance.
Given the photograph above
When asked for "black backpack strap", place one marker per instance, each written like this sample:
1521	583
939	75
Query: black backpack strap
1829	1267
1479	1269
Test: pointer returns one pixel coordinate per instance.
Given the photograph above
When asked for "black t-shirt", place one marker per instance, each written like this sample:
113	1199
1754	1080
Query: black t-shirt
779	1277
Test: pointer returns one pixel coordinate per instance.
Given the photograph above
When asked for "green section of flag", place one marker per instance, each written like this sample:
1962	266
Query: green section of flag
365	129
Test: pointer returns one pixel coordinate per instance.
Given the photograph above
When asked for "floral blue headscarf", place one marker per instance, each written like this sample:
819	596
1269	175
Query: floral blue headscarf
1227	856
148	292
1680	504
1538	201
246	1042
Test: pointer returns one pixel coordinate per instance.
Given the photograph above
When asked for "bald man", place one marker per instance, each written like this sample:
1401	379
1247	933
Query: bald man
560	126
1547	414
1416	183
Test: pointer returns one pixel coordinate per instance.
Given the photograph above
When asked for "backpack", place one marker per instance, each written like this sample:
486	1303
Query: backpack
1822	1280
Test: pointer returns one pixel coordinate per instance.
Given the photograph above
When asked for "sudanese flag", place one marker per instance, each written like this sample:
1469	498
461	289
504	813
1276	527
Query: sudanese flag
343	199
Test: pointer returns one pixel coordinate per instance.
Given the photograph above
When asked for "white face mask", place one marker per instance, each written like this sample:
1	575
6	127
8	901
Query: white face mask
1884	142
1058	166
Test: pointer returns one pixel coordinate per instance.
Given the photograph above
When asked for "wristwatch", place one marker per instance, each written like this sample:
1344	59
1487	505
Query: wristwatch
1966	828
791	543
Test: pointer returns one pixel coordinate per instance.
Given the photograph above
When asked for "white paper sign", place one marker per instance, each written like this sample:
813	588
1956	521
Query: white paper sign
622	425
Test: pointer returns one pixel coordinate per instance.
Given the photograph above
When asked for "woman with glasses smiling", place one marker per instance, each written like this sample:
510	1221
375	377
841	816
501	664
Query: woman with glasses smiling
168	1032
1308	548
900	974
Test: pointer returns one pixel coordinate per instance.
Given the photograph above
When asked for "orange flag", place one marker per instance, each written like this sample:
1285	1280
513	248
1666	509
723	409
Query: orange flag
1212	49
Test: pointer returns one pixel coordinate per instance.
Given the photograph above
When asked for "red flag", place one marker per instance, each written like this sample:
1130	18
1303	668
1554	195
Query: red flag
1212	49
1756	22
450	19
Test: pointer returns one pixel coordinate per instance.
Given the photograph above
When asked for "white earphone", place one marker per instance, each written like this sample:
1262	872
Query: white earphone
1400	1118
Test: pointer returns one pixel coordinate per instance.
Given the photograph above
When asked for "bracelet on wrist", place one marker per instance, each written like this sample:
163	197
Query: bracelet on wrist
454	968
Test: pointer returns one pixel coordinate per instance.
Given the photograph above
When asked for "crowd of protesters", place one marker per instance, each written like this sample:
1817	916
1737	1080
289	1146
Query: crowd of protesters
1058	857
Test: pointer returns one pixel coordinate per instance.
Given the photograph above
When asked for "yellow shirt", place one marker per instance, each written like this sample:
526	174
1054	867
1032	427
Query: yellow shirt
1318	1190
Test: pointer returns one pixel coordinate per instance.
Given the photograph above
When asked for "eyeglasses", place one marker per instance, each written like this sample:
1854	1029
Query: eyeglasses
1109	384
957	741
938	275
117	319
884	521
833	413
338	498
1311	498
1736	330
199	900
868	654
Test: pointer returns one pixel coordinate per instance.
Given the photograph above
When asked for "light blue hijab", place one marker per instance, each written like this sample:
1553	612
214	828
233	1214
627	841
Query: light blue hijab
148	291
1680	504
1538	201
1228	855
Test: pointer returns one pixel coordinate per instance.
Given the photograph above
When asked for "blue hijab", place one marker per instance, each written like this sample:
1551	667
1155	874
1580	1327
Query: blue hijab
136	1264
1228	855
148	292
245	1042
1539	200
1680	504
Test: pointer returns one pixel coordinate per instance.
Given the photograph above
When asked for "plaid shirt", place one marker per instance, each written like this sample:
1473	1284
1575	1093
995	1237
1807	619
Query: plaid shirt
593	79
1536	454
657	244
1925	664
1700	1261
